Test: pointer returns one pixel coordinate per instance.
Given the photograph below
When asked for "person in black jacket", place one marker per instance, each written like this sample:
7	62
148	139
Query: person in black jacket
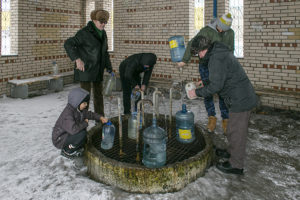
130	70
89	49
228	79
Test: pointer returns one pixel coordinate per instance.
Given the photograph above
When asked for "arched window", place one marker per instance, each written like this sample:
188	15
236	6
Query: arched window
199	15
236	8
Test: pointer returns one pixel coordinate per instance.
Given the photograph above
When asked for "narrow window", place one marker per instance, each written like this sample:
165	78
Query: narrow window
9	27
199	15
236	8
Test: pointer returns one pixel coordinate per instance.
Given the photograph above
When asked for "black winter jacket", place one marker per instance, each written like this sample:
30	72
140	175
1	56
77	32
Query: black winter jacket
132	66
228	78
92	50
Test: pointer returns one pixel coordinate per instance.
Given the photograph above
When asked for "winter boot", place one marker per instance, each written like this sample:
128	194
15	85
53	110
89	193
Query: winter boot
68	152
211	126
224	125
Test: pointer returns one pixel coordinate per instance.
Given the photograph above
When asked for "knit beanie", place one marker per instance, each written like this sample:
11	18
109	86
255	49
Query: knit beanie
224	22
100	15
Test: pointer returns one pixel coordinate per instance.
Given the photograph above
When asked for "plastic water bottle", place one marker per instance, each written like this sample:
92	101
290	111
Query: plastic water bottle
177	48
108	135
154	152
132	123
110	85
185	125
54	68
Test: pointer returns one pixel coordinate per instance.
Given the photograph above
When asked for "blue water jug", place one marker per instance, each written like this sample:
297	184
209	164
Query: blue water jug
155	144
185	125
108	135
177	48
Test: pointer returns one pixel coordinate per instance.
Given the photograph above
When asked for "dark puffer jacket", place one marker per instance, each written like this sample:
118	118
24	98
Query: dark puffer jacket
92	50
132	66
71	120
228	78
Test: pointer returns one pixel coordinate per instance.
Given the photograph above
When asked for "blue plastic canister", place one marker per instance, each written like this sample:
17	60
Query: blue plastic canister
185	125
177	48
108	135
155	145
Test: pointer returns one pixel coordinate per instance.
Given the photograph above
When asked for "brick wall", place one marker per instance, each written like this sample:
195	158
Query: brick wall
271	40
272	50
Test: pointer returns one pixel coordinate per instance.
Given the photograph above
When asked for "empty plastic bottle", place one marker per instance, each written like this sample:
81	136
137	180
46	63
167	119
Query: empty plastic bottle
177	48
185	125
154	152
54	68
132	123
110	85
108	135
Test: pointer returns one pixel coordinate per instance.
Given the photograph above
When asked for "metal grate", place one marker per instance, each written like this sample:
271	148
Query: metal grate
176	151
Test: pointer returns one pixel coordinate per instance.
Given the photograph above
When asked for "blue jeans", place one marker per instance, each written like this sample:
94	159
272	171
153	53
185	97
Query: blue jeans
209	101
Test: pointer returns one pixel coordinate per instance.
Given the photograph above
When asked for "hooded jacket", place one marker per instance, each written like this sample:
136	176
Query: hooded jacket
228	78
72	120
210	32
132	66
92	50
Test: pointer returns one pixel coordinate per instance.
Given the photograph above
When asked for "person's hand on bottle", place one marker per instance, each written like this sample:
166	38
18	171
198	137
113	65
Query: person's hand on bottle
192	94
180	64
199	84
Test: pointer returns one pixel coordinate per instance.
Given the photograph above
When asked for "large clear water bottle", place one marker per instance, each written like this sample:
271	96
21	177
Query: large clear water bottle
108	135
54	68
155	145
110	85
132	123
185	125
177	48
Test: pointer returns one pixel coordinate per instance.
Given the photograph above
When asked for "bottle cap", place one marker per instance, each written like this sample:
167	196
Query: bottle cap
54	62
108	122
184	108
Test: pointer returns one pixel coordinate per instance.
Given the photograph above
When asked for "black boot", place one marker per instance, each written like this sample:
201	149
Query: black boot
223	153
227	168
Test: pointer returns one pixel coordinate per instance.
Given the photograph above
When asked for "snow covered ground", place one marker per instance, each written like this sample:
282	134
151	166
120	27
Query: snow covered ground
32	168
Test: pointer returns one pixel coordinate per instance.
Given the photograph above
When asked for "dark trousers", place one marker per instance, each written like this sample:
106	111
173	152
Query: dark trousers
77	141
127	90
209	101
98	97
237	131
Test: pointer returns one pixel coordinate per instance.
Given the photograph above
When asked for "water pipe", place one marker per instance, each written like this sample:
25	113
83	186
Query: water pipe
138	125
170	116
120	127
155	103
215	10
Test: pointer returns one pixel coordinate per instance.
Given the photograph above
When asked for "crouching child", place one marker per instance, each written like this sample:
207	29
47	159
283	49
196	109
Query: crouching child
69	133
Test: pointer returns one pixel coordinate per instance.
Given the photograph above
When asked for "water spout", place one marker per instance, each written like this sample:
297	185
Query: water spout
155	103
120	127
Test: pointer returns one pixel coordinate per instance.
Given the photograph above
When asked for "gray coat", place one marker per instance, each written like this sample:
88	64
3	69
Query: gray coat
71	120
228	78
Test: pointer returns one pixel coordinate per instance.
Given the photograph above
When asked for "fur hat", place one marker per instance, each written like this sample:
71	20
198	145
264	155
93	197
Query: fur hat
224	22
100	15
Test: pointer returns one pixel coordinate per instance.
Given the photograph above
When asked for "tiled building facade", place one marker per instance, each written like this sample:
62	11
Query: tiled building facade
271	40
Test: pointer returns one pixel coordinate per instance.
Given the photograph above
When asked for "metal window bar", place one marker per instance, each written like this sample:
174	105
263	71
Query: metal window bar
5	27
236	8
